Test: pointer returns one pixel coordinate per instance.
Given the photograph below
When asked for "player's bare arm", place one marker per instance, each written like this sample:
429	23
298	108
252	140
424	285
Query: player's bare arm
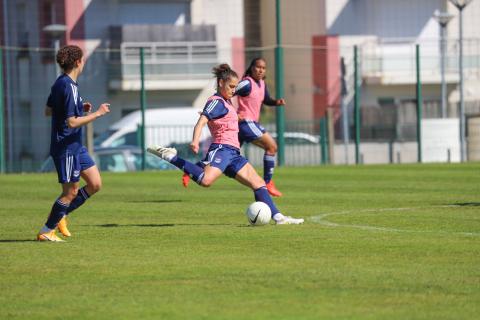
197	132
75	122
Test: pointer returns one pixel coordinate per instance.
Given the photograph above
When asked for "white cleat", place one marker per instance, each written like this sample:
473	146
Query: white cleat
288	220
166	154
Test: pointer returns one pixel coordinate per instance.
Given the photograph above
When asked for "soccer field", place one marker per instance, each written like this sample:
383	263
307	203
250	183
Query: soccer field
379	242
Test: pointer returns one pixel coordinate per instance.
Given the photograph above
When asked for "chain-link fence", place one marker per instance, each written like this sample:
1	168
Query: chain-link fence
317	78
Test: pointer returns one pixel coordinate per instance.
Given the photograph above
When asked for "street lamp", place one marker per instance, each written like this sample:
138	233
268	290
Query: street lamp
56	31
443	18
461	4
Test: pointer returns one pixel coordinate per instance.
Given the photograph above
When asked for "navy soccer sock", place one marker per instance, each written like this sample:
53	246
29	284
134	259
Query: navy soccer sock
80	199
261	194
193	170
59	209
268	165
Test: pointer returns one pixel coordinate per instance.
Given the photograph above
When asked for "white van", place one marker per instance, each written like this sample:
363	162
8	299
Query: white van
165	126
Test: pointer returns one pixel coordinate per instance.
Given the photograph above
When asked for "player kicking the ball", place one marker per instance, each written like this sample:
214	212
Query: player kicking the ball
69	155
224	153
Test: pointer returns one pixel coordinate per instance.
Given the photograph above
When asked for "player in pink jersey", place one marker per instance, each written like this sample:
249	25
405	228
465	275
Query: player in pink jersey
252	93
224	153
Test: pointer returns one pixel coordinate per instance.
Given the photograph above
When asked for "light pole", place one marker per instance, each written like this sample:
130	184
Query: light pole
461	4
443	18
56	31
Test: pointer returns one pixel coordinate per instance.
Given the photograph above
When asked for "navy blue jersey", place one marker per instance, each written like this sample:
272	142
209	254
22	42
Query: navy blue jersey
65	102
245	87
215	109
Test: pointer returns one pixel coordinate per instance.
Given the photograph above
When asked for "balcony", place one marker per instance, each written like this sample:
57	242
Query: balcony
168	65
393	61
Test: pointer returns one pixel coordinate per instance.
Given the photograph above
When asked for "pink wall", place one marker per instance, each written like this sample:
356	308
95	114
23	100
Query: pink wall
238	55
75	22
326	75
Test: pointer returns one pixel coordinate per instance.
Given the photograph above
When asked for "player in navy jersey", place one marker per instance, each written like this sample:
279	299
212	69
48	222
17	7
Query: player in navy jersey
72	161
224	153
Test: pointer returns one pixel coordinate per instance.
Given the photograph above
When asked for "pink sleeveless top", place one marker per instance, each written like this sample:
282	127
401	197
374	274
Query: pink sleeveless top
225	129
249	106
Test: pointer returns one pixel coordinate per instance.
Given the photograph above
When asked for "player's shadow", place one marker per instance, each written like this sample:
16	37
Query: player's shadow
155	201
16	240
467	204
163	225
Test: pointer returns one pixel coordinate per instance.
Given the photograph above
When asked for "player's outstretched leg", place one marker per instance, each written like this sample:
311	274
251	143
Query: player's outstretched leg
170	155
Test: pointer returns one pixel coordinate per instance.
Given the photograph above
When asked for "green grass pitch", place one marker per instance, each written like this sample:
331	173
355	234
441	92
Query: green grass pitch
379	242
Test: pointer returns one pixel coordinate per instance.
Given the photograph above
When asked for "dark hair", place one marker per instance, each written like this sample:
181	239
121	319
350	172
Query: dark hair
223	72
248	72
67	56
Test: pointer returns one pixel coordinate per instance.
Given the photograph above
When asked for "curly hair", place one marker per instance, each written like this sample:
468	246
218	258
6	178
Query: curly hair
224	72
67	56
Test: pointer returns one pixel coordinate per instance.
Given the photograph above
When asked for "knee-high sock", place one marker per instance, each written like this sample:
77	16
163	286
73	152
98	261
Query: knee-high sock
80	199
59	209
194	171
261	194
268	165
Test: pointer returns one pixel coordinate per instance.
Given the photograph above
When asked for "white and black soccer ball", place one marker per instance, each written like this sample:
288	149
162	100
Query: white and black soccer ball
258	213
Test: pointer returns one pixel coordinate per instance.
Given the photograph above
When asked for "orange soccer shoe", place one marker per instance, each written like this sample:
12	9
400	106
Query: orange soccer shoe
49	236
273	190
185	180
62	227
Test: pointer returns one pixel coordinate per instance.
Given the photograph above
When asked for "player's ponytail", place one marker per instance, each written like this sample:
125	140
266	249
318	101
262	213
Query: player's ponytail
223	72
67	56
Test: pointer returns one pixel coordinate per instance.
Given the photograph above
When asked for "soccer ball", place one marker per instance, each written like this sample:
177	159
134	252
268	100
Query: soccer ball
258	213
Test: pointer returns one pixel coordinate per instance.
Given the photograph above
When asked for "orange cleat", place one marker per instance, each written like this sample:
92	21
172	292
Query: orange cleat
49	236
273	190
62	227
185	180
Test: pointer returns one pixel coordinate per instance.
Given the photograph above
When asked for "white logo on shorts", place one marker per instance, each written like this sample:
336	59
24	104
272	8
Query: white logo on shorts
217	160
76	173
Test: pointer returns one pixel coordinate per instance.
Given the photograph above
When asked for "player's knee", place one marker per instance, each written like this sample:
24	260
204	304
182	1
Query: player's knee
95	187
206	182
71	193
271	150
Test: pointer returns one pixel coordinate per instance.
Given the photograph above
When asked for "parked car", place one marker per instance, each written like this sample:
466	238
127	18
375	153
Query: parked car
120	159
163	126
297	138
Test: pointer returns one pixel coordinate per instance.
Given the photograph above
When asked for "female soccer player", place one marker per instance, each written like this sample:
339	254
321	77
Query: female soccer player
224	153
71	158
252	93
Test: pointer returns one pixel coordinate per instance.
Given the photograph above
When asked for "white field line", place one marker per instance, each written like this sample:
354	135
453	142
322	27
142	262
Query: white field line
320	219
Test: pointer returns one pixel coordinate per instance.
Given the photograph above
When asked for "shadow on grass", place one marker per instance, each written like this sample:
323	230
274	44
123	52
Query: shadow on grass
16	240
163	225
154	201
467	204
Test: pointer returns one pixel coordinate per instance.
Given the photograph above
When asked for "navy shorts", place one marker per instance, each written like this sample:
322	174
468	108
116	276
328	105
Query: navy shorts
69	165
249	131
226	158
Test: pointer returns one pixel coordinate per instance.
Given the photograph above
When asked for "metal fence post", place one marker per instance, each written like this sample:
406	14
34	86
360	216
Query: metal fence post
323	140
2	112
142	105
356	104
279	86
419	104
